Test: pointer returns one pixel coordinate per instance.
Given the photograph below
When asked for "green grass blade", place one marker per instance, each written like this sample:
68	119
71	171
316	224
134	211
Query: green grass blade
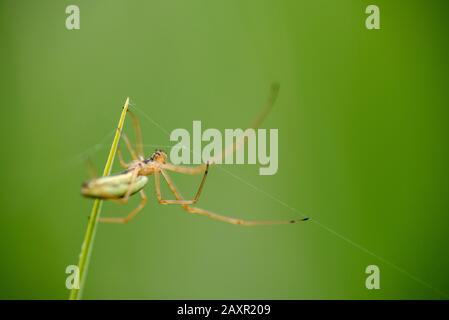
86	248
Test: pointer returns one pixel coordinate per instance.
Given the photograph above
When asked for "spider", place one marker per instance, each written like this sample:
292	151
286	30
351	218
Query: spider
120	187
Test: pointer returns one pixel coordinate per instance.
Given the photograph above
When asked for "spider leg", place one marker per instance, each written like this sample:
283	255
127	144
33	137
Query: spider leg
130	186
129	147
123	163
125	198
274	91
178	201
91	169
131	215
229	150
217	216
236	221
137	153
138	132
185	170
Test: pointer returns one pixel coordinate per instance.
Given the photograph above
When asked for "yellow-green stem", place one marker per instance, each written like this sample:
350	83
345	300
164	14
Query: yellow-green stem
86	248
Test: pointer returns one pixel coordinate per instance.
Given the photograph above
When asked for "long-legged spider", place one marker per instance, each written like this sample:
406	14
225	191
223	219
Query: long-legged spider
121	186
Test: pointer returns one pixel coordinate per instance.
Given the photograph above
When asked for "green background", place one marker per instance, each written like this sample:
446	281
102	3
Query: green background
362	118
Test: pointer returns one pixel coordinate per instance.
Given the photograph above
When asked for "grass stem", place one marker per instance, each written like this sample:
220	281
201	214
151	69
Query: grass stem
86	248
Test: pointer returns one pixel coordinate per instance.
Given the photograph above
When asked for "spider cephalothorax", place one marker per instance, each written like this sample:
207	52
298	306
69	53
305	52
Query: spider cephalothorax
159	156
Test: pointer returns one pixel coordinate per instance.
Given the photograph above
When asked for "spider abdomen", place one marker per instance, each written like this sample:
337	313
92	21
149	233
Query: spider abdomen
112	187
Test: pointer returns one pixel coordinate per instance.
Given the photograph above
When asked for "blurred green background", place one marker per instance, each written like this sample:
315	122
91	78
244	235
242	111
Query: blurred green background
362	118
